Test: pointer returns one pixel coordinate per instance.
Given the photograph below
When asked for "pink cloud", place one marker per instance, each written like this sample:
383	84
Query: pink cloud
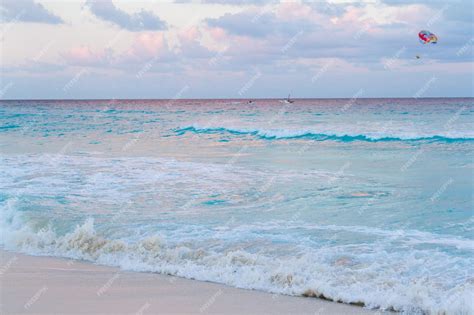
84	55
293	10
383	15
144	47
189	34
218	34
190	43
149	45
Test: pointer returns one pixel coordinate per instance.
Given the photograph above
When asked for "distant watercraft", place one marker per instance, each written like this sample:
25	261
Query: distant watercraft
288	100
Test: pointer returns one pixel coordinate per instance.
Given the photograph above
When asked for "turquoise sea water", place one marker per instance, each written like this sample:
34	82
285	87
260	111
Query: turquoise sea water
366	201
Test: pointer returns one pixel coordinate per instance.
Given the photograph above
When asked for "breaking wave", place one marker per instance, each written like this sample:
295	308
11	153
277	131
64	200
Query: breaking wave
273	134
369	277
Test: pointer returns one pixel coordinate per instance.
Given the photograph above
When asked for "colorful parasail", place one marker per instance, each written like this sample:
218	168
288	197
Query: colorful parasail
426	37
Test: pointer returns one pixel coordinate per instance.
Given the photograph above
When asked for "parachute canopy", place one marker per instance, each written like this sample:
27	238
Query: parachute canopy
426	37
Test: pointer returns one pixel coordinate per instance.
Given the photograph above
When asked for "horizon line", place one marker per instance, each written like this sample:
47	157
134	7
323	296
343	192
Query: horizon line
225	98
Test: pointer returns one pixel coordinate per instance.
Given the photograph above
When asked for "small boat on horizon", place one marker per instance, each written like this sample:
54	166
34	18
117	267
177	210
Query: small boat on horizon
288	100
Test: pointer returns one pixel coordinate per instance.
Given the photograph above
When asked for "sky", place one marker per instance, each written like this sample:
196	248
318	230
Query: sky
234	49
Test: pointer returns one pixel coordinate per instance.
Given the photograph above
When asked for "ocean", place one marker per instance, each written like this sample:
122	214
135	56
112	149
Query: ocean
366	201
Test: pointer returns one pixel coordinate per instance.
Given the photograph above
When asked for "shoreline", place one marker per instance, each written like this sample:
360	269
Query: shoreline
44	285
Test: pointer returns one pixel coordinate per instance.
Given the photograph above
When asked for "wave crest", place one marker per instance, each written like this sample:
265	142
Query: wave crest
274	134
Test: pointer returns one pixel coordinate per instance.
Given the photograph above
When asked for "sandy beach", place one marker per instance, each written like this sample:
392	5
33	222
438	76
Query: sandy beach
44	285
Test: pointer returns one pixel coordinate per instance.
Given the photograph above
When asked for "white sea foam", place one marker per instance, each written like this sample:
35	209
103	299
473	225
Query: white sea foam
375	277
49	201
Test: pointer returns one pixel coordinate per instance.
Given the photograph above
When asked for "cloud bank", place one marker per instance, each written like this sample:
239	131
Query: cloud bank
141	21
27	11
306	47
